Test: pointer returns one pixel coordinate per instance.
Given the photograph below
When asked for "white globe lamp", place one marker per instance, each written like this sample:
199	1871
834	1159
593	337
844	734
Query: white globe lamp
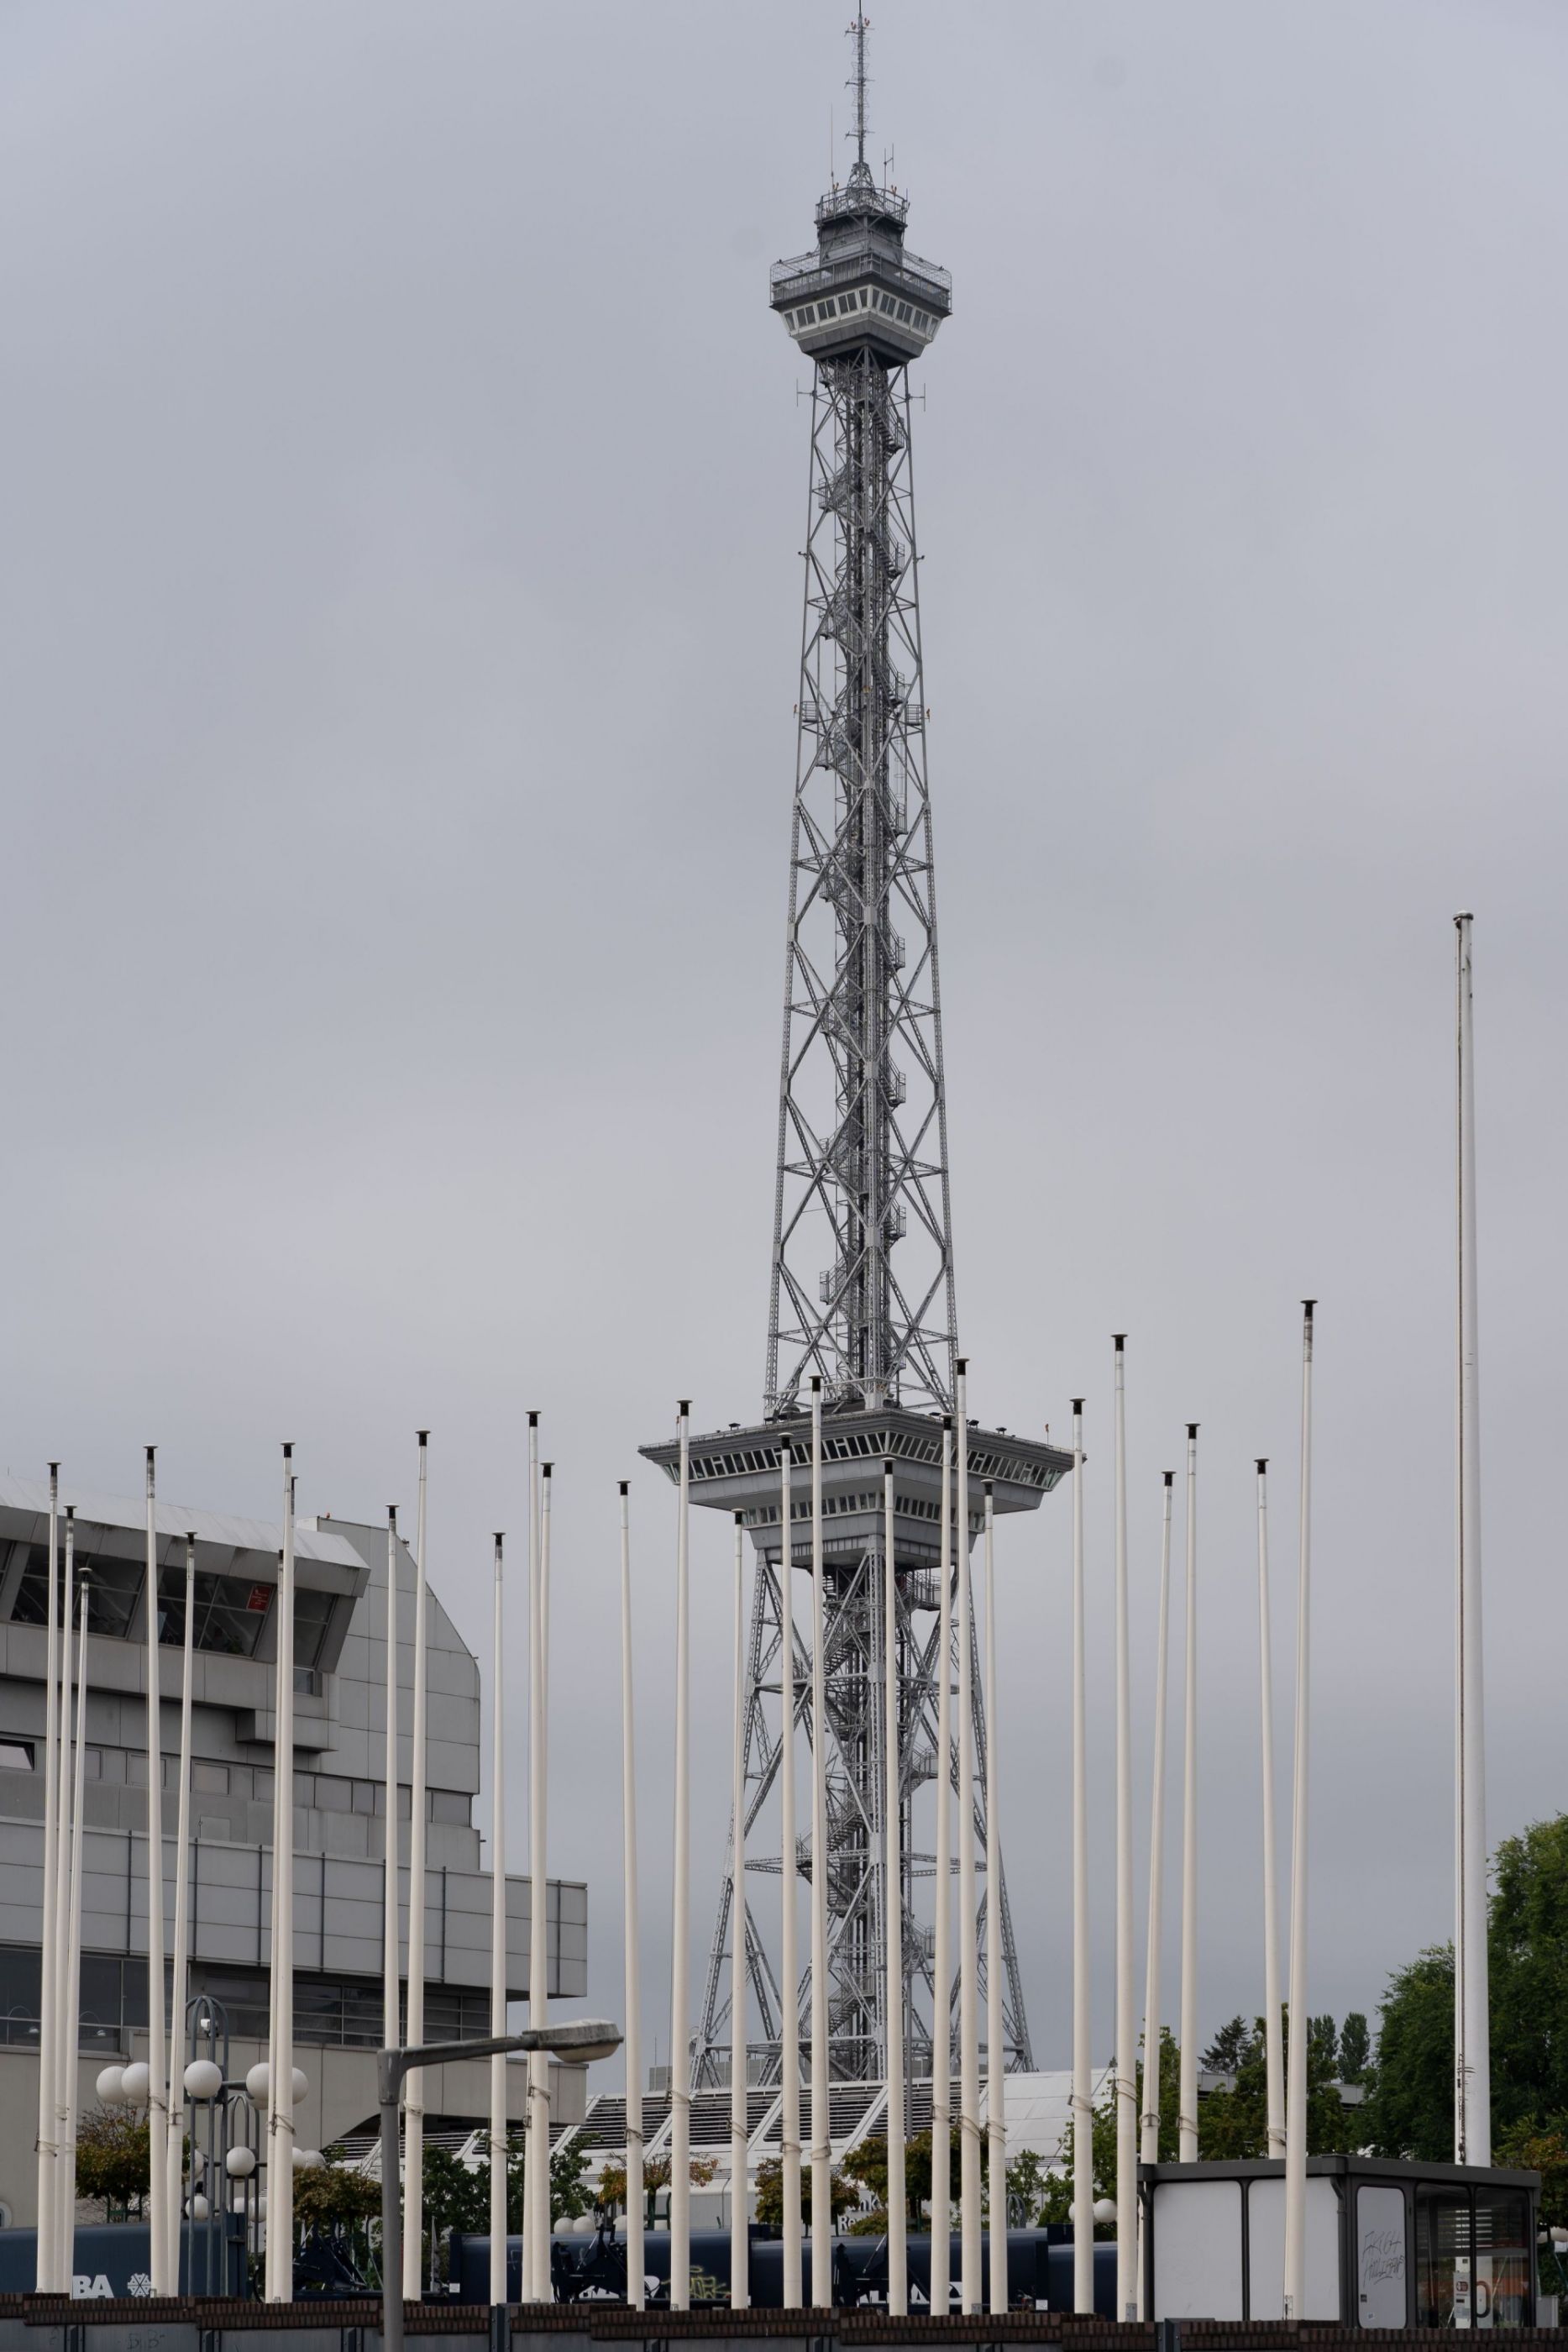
135	2082
257	2084
240	2163
204	2079
111	2087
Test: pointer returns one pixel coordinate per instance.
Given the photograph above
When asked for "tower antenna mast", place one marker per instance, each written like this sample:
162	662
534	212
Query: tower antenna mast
858	32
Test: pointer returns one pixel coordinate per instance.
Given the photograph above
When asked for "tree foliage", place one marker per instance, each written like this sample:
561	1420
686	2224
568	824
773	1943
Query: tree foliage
114	2161
843	2195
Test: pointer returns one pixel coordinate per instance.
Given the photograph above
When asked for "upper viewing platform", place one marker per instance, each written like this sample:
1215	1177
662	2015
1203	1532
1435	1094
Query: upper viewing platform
861	290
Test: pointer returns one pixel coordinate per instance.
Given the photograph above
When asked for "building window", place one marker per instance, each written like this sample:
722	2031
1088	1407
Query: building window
230	1612
312	1616
16	1755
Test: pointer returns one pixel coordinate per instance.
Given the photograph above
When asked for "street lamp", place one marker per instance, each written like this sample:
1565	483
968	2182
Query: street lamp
586	2039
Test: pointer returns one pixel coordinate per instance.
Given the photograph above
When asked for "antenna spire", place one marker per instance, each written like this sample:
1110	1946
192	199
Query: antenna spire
857	82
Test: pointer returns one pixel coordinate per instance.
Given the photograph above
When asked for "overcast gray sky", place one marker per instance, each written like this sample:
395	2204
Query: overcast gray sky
401	493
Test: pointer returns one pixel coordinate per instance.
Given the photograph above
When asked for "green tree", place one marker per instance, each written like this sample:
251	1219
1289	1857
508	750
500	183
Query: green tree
339	2195
1409	2110
1543	2148
842	2194
1230	2046
1354	2048
1232	2124
114	2163
1527	1946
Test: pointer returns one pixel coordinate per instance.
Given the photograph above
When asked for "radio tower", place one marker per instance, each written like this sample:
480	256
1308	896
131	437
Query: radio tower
862	1291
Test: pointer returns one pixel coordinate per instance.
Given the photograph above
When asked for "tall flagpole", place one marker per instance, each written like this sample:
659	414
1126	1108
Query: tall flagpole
892	1919
942	1942
413	2082
1149	2115
636	2265
1126	2013
1472	2025
1082	2098
47	2161
1149	2152
821	2117
528	2291
182	1929
537	2175
498	1947
73	1946
996	2049
739	2133
1186	2108
970	2286
157	2052
1299	2037
280	2022
64	2055
788	1949
391	1940
681	1907
1273	2051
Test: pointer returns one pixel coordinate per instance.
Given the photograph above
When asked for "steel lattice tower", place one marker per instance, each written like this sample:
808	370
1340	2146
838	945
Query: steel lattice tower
862	1294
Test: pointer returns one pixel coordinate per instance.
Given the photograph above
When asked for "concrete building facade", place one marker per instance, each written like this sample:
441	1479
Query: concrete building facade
340	1822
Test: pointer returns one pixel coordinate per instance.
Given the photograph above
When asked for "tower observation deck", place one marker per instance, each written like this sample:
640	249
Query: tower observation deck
862	1294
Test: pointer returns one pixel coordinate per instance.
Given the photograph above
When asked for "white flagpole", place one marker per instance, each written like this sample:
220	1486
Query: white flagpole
739	2132
413	2082
1472	2027
1187	2105
636	2267
996	2049
281	2038
182	1931
1300	2035
157	2052
1126	2013
1273	2053
969	1957
64	2055
822	2113
45	2281
529	2290
497	1949
892	1916
789	1946
392	2018
1082	2097
680	1908
942	1942
1149	2150
537	2182
73	1944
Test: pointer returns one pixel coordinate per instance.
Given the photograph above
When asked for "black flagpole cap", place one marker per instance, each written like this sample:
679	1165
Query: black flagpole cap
626	1485
1170	1477
1192	1429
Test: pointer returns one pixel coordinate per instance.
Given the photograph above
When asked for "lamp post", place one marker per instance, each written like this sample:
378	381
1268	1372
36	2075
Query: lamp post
586	2038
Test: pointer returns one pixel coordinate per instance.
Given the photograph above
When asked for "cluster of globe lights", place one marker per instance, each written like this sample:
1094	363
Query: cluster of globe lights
127	2086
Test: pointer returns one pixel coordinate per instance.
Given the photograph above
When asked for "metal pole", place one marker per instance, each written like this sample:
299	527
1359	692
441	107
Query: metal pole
527	2292
969	1957
942	1940
280	2045
1082	2098
537	2174
893	1917
413	2081
1149	2150
157	2054
46	2279
182	1932
1300	2036
636	2265
497	1951
1187	2107
1126	2012
821	2111
681	1916
73	1943
390	2082
995	2048
64	2054
789	1944
739	2127
1472	2028
1273	2051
